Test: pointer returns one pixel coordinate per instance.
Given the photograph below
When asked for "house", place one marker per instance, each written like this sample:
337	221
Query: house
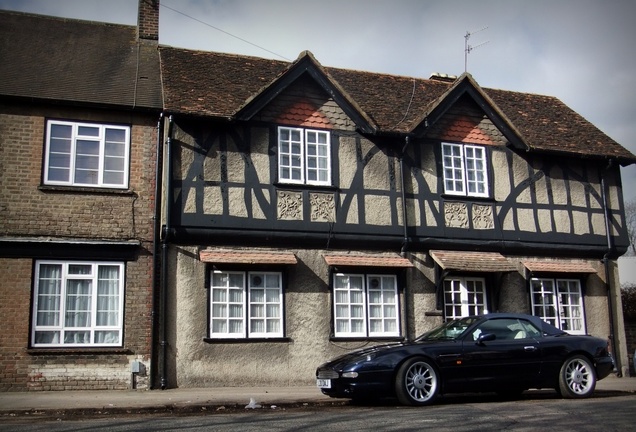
300	211
79	107
312	210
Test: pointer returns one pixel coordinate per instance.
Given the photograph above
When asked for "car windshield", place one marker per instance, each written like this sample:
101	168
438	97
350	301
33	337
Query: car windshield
450	330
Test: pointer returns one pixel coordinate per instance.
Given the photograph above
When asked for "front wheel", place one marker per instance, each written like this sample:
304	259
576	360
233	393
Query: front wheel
417	382
577	378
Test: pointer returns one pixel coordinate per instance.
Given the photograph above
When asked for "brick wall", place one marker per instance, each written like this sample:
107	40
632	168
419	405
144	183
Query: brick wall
29	210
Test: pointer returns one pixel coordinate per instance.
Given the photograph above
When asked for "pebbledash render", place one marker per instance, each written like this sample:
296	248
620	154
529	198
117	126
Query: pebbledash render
252	218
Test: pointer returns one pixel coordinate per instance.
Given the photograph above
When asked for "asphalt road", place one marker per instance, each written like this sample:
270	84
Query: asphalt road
539	411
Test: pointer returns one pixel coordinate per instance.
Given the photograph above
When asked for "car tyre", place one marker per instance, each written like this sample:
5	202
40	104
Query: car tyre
577	378
417	382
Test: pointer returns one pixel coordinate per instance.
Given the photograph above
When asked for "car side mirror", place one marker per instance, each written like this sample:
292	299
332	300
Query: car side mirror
486	337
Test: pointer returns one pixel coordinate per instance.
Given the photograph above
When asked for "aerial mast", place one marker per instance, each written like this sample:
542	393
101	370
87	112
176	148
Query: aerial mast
468	48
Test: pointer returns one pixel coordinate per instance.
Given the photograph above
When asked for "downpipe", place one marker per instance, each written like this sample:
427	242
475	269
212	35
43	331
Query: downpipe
155	250
606	263
164	258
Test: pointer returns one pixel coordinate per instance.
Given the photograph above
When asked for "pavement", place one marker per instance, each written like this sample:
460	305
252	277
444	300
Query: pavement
190	400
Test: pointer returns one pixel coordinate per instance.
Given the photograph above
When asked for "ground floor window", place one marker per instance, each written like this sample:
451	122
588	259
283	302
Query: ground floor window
78	304
365	305
464	296
246	304
559	302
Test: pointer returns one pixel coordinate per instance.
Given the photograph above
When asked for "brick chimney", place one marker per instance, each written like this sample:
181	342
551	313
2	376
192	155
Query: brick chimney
148	20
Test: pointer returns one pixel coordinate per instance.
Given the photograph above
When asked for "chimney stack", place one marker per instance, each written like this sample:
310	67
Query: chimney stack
148	20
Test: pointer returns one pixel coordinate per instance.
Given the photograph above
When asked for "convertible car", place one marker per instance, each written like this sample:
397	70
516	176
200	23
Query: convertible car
503	353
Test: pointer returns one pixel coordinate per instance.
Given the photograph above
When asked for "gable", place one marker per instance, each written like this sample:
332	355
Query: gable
305	104
465	122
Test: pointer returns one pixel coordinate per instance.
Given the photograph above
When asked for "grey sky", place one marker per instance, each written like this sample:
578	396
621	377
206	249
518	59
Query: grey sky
581	51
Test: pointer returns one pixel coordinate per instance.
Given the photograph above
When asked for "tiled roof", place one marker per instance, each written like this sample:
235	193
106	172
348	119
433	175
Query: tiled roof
559	266
368	260
472	261
77	61
220	85
246	257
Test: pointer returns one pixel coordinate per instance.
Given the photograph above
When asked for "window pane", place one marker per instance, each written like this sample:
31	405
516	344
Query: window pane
115	135
88	131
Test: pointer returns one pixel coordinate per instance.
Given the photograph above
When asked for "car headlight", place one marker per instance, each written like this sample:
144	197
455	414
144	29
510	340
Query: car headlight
349	375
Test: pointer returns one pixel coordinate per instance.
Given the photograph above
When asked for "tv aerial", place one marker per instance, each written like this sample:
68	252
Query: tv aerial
468	48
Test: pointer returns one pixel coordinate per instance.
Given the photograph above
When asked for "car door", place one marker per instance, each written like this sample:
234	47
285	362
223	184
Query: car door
501	352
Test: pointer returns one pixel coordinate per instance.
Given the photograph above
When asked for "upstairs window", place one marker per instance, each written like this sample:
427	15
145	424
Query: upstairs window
86	154
304	156
465	172
365	305
78	304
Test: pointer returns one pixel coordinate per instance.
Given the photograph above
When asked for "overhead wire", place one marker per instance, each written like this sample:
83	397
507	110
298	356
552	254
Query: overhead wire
223	31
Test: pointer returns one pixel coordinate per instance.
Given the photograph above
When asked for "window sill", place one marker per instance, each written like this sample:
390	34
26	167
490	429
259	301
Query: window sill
78	350
247	340
367	339
297	186
464	198
85	190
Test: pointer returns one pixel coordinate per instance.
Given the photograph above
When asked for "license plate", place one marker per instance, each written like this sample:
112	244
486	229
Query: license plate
323	383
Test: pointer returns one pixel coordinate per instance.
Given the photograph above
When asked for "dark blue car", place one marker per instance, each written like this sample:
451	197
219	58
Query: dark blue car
503	353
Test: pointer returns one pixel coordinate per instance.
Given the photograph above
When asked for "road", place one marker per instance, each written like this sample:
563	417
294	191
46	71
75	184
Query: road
534	411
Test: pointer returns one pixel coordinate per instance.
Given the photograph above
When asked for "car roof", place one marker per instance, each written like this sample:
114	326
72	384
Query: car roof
546	328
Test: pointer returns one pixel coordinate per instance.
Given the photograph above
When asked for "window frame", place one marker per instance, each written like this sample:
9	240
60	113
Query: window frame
558	319
466	308
74	154
248	305
464	169
62	328
365	305
305	155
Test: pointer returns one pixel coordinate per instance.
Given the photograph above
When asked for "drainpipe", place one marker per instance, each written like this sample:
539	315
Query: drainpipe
606	262
155	250
164	257
405	242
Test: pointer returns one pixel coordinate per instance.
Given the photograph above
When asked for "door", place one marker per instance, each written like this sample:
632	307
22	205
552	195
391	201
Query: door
502	352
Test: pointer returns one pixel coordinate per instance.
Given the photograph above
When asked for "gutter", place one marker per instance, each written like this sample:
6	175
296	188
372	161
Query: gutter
606	262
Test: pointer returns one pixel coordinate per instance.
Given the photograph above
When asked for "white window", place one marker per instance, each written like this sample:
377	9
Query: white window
78	304
304	156
365	305
246	305
465	170
464	296
86	154
559	302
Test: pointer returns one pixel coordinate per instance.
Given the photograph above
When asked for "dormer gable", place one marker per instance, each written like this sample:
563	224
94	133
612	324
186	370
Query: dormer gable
465	122
465	113
305	73
304	103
